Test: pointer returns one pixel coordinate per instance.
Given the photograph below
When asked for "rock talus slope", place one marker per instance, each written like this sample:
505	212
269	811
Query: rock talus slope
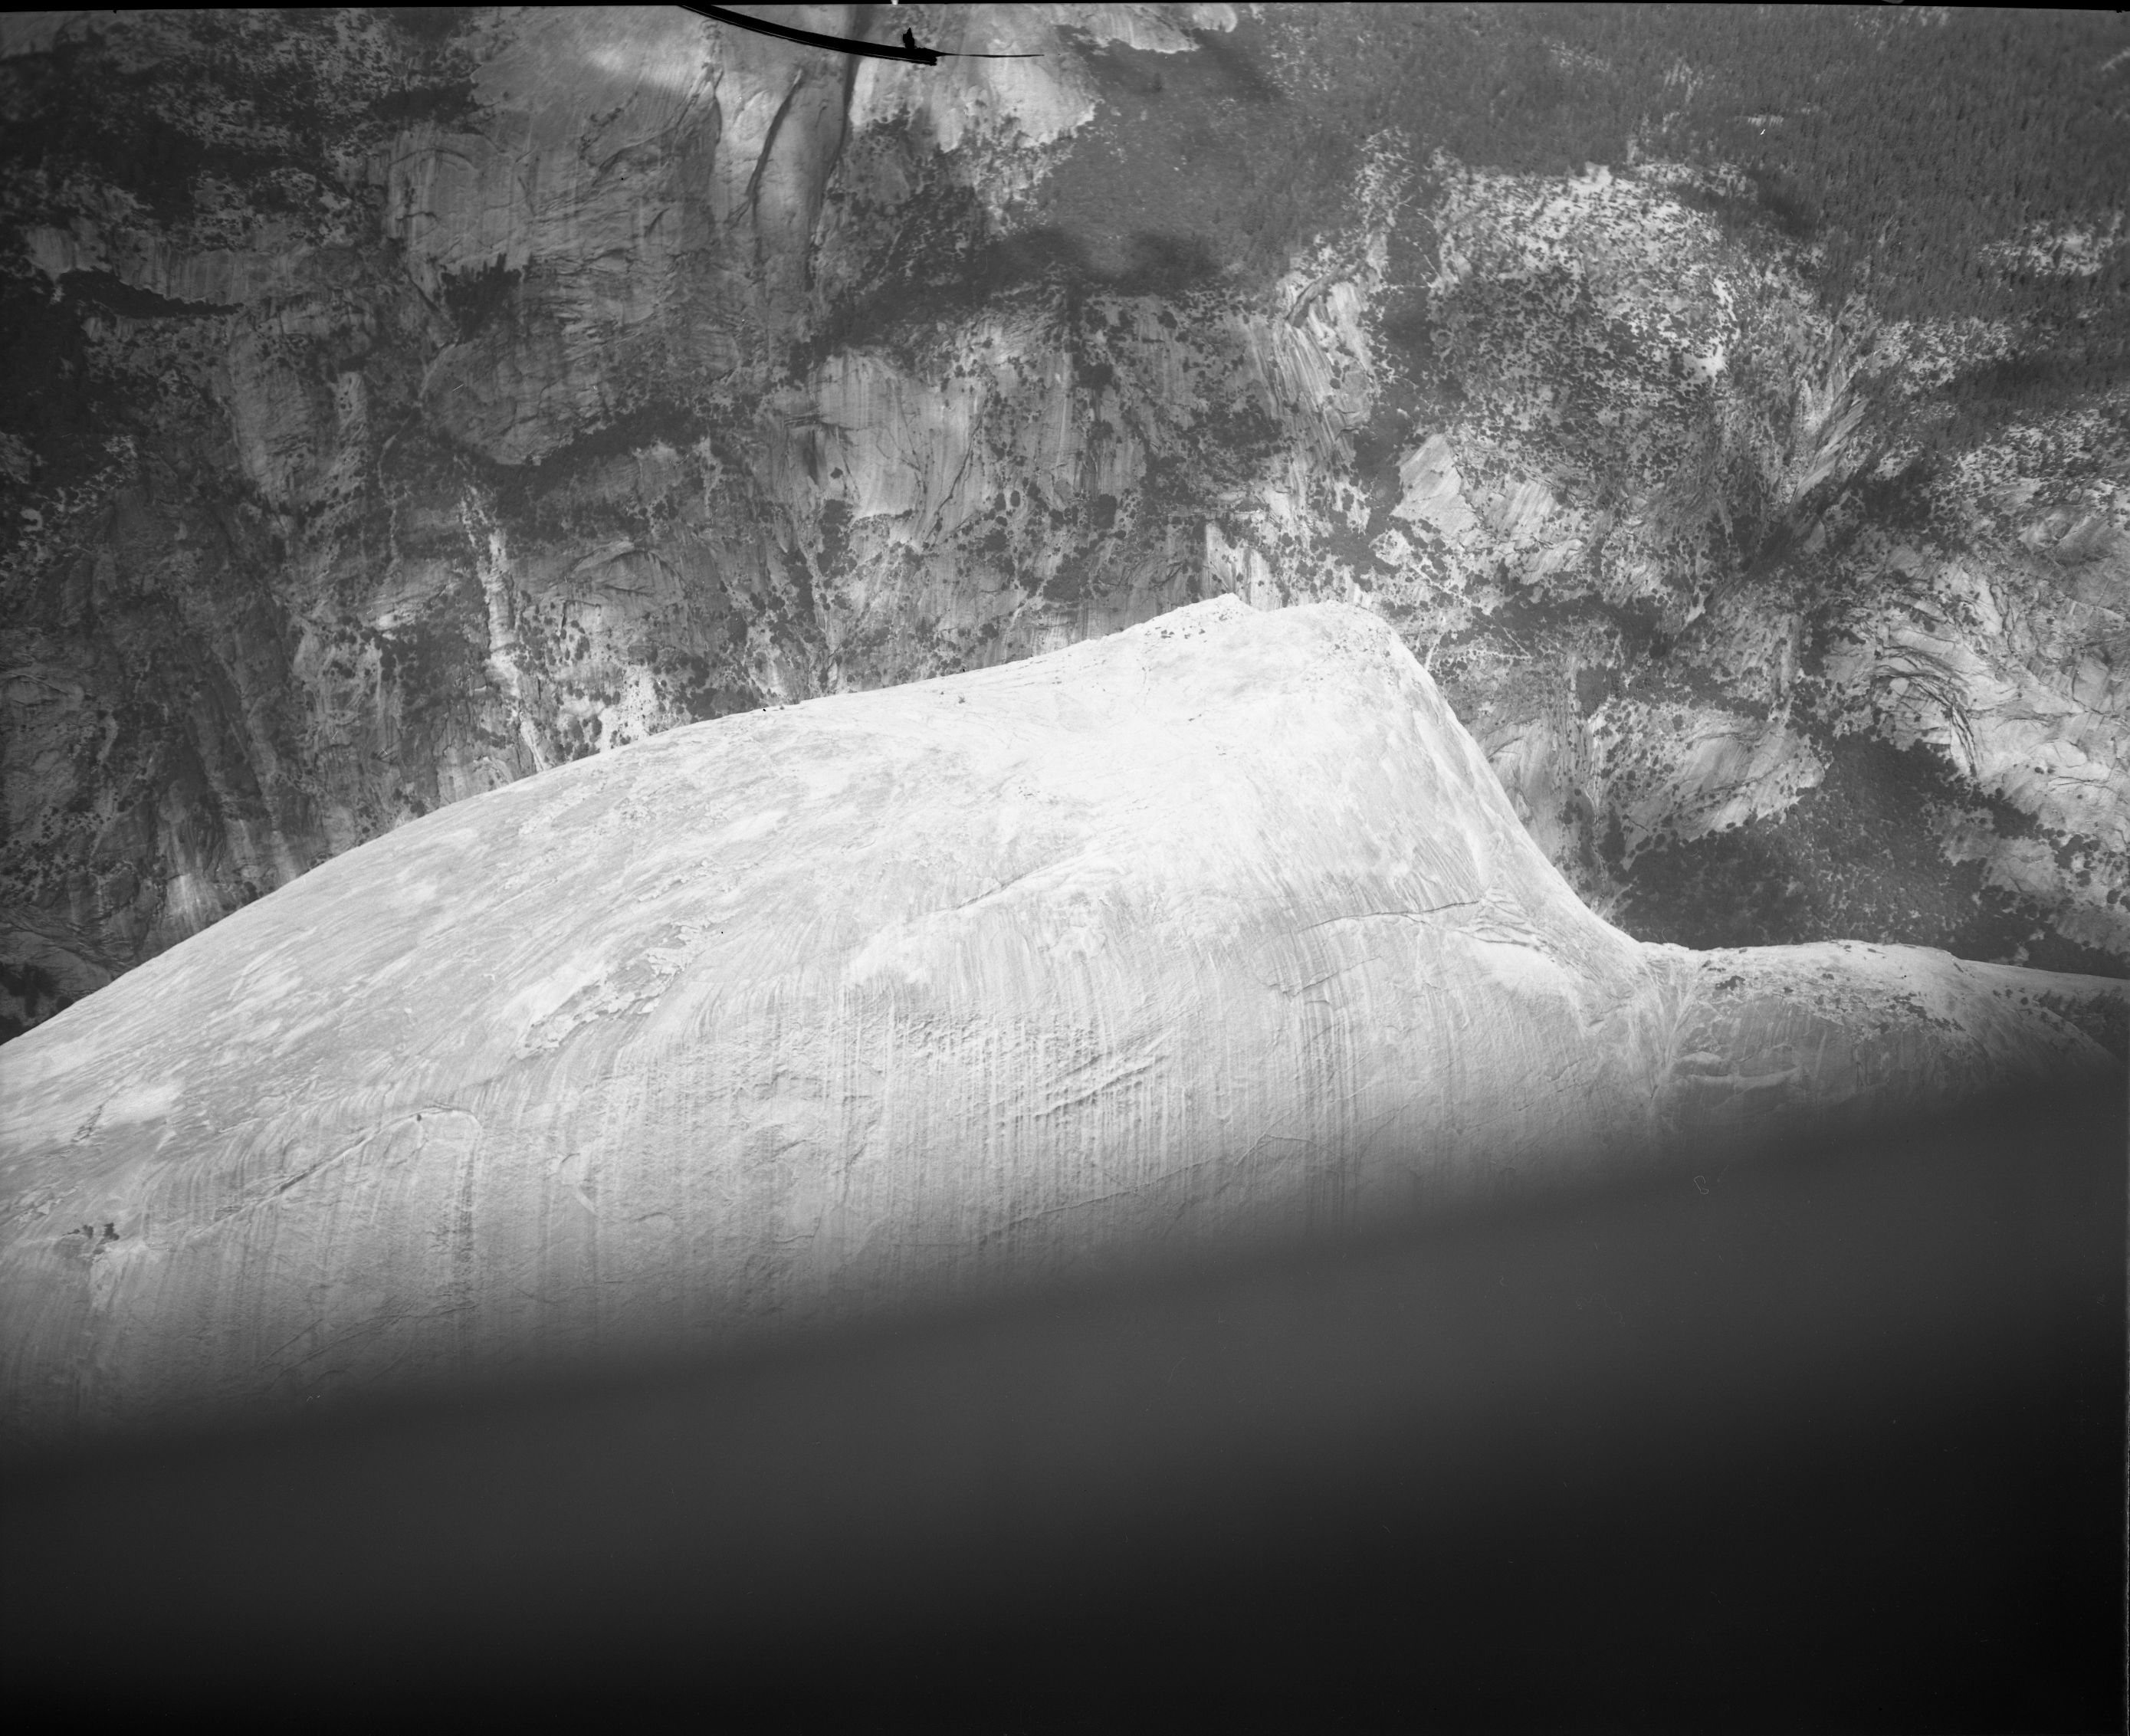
1215	930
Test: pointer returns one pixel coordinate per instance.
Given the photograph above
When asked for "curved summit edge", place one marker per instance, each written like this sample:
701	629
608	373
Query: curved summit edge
1215	931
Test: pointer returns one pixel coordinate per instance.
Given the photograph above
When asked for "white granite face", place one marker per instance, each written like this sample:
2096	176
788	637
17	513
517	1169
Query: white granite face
1217	930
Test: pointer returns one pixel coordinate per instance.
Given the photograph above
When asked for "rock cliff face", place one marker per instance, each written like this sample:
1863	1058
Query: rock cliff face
401	402
1214	932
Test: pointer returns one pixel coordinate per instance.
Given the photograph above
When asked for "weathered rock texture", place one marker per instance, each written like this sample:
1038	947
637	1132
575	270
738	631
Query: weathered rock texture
398	404
1217	930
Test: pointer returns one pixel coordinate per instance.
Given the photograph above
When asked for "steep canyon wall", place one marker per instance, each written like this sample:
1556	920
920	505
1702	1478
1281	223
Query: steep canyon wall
401	402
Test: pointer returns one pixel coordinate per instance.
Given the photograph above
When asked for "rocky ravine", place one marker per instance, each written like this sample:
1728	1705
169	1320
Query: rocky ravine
400	403
1214	932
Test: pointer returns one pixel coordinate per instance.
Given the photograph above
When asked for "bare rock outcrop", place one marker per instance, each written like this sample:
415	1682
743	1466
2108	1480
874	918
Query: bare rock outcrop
1214	932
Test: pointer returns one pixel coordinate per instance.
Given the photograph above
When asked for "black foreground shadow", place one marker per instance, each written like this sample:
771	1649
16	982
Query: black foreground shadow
1830	1442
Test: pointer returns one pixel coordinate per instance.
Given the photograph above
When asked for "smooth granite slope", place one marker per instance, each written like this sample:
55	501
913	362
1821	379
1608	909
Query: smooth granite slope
1217	930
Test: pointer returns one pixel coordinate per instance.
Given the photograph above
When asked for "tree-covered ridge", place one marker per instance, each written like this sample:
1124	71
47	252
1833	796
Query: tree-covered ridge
1951	161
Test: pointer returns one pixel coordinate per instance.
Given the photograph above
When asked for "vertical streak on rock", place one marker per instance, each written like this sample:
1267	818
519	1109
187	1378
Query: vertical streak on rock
754	201
491	556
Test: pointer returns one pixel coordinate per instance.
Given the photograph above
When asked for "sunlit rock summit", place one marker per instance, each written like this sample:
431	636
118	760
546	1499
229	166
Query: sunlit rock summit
1214	932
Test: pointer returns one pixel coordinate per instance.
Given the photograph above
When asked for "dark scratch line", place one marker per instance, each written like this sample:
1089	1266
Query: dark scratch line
907	51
